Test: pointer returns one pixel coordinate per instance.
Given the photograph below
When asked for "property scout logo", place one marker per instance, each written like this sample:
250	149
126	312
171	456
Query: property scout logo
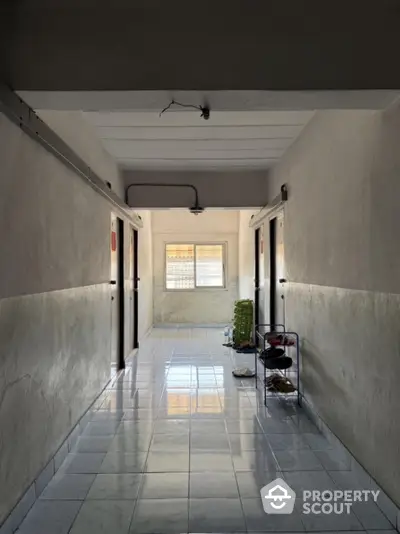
279	498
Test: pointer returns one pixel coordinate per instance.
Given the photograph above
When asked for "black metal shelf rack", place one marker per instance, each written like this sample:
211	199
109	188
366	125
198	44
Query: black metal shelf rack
290	343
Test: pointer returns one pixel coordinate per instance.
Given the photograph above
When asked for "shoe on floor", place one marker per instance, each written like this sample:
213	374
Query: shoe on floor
243	372
280	384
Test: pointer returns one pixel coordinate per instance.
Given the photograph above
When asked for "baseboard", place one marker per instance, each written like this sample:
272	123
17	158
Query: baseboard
146	334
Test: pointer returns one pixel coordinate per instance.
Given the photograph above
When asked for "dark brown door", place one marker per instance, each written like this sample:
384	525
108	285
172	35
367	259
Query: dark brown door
117	293
280	270
256	276
259	278
121	293
136	280
277	271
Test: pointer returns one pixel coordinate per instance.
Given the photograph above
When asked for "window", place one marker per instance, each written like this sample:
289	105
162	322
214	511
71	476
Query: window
194	266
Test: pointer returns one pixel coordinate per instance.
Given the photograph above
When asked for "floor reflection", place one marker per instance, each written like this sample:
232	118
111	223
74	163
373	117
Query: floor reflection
176	444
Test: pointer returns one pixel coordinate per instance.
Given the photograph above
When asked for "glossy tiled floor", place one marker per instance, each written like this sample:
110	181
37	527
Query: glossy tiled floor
177	445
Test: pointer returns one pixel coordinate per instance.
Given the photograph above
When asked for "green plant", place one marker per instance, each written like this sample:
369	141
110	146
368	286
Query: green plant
243	321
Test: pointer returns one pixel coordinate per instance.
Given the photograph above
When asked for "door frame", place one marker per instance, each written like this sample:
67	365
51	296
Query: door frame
272	271
136	279
121	294
271	218
257	275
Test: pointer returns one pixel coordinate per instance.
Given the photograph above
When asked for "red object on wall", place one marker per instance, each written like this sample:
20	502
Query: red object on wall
113	241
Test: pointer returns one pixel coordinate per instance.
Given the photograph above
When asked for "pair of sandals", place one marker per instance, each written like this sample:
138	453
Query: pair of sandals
279	384
243	372
244	348
275	358
276	339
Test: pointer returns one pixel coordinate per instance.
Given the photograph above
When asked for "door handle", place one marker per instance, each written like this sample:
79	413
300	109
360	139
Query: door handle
113	282
282	280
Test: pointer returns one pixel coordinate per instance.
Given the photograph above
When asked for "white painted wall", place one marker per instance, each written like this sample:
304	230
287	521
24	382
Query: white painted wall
145	274
200	306
342	261
81	136
55	301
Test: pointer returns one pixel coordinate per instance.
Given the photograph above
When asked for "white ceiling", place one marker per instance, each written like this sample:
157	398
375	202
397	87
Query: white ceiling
181	140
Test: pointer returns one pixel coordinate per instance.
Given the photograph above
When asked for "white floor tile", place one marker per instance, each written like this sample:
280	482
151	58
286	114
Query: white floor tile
176	443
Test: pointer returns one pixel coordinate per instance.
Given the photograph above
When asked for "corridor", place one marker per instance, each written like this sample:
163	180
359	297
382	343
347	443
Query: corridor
175	444
163	177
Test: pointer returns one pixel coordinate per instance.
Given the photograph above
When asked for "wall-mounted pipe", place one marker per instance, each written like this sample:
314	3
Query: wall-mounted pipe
196	209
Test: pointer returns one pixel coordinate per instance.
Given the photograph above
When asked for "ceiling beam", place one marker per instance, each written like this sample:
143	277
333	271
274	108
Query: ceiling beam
227	191
157	98
285	45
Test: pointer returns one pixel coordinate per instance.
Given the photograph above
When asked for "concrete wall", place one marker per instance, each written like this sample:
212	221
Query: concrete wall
54	306
145	274
82	137
278	46
199	306
216	189
342	260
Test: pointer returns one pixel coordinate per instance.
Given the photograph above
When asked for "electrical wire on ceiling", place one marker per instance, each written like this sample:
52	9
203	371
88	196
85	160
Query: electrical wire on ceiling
205	110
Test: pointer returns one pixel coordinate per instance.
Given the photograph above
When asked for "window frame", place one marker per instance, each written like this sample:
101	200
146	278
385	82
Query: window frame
195	244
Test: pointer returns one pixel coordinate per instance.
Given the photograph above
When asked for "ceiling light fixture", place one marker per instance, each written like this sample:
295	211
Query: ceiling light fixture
205	110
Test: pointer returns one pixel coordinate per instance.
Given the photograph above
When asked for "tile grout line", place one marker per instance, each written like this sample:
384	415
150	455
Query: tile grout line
190	464
76	517
141	481
219	389
236	480
52	459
